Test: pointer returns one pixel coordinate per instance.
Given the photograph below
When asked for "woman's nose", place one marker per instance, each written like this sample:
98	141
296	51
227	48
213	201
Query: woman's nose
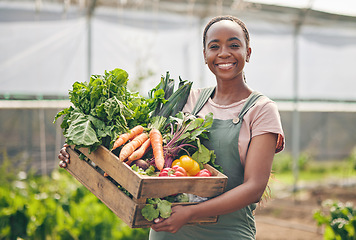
224	52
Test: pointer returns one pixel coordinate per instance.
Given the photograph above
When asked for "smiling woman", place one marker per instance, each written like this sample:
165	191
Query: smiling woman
245	135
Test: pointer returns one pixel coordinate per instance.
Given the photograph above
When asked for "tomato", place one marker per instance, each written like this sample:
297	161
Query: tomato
189	164
203	173
175	171
179	171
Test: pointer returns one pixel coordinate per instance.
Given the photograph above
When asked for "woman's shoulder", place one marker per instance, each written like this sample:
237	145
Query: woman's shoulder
265	117
264	103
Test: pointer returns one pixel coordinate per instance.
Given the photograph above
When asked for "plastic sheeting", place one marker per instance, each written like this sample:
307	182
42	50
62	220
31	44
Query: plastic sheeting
43	55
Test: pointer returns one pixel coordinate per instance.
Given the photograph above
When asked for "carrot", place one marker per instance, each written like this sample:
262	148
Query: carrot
130	147
142	150
123	138
157	147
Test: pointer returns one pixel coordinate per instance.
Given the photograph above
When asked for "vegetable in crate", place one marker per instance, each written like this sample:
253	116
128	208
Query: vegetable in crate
172	101
155	208
190	165
140	152
130	147
123	138
175	171
157	148
203	173
103	108
186	132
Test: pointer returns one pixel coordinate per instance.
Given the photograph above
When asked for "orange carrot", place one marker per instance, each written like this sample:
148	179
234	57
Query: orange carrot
139	152
130	147
157	147
123	138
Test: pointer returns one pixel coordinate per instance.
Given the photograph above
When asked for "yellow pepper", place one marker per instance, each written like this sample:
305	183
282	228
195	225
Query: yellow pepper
190	165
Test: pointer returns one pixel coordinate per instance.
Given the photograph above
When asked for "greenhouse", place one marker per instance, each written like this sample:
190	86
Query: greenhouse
303	58
303	53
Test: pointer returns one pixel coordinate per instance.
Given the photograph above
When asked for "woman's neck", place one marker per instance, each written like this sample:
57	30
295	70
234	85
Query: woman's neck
227	93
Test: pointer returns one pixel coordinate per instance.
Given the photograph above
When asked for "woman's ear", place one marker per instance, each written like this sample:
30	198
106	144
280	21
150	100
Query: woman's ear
204	54
248	54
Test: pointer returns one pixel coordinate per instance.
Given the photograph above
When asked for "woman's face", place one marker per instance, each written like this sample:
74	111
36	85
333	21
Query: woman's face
225	51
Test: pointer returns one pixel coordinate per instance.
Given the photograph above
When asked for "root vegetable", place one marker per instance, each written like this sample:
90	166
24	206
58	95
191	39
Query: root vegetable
157	147
142	150
141	164
123	138
130	147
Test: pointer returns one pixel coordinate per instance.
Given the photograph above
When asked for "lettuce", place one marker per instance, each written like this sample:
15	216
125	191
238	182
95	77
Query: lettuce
102	109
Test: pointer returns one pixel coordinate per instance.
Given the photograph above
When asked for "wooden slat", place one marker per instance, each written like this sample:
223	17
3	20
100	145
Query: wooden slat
123	206
118	170
166	186
141	186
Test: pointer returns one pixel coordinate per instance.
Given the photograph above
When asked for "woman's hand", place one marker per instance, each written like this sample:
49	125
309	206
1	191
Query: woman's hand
179	217
63	156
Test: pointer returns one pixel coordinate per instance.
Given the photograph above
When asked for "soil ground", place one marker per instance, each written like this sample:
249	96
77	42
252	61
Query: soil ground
290	217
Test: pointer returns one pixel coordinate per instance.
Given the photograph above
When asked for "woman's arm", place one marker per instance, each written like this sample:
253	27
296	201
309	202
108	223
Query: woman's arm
257	171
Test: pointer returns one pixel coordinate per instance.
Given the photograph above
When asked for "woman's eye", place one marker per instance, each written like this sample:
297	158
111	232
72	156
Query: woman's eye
235	45
214	47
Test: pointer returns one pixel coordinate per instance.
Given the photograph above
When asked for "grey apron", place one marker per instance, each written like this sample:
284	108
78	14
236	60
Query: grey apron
223	138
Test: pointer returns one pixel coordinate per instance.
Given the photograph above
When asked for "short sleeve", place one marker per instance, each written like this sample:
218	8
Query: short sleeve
265	118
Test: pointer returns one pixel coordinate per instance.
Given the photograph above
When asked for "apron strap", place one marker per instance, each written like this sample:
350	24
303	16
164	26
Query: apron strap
250	102
206	93
203	97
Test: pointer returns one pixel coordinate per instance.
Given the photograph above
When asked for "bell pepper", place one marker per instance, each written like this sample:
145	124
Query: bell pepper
175	171
203	173
189	164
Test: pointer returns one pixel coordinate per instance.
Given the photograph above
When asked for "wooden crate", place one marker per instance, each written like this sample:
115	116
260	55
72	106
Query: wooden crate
141	187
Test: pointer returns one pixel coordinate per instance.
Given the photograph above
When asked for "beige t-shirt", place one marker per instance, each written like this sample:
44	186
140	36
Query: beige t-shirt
262	118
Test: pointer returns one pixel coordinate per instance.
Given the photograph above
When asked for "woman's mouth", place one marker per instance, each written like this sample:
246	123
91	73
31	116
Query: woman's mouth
225	66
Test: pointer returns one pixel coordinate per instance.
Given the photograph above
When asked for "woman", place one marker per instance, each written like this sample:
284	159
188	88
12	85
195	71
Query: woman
245	149
245	135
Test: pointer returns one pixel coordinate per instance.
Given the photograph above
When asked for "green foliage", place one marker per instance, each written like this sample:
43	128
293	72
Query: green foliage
339	220
155	208
166	101
55	207
102	109
283	162
352	159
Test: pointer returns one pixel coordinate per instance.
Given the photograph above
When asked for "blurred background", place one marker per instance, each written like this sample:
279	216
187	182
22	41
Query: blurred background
303	57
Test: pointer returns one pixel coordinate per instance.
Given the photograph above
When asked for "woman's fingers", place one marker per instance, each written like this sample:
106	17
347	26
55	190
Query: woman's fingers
63	156
62	164
172	224
158	220
158	224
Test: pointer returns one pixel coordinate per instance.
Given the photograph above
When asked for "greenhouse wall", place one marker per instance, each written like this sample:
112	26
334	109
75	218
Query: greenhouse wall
30	138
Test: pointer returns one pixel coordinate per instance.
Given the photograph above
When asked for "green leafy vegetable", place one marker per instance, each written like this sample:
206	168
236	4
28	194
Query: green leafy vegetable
186	132
155	208
150	212
150	171
167	101
164	208
182	197
102	109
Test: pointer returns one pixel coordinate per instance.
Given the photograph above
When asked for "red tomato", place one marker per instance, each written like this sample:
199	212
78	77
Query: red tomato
203	173
175	171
